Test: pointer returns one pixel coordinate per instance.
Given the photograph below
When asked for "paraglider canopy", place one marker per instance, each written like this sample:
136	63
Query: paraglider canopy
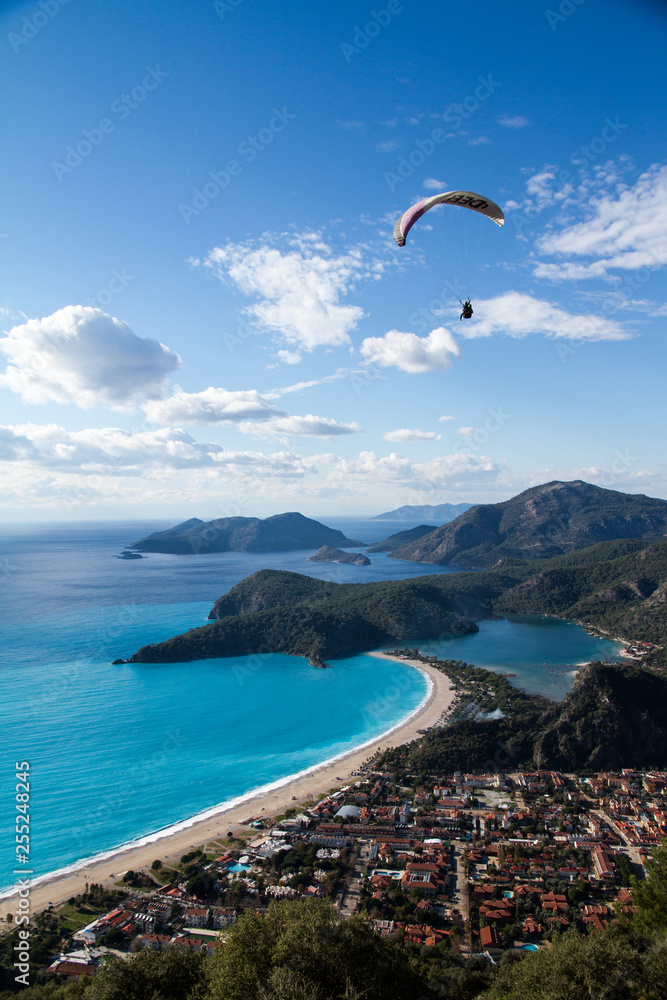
466	199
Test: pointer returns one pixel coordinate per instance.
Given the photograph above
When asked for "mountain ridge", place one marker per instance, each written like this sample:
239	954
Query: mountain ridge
541	522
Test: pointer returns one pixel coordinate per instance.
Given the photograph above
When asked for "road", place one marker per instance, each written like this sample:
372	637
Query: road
634	853
460	893
352	890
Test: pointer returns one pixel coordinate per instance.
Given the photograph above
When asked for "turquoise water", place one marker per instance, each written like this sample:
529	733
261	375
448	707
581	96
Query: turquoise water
541	653
118	753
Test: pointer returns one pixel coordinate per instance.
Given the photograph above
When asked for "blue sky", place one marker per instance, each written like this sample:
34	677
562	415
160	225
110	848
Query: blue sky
203	309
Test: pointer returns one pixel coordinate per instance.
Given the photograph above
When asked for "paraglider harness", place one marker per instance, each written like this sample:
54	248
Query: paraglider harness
467	310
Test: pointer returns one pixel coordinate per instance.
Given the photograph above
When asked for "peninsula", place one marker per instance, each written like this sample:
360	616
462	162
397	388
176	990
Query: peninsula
616	587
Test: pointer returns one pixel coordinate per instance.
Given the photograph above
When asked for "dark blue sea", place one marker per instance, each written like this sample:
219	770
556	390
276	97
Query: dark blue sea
118	753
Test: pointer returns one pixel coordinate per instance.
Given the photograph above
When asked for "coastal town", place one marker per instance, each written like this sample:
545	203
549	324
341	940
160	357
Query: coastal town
474	863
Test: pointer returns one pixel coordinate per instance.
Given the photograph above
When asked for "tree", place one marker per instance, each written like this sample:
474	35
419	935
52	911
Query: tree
200	885
650	896
305	949
578	968
157	864
167	975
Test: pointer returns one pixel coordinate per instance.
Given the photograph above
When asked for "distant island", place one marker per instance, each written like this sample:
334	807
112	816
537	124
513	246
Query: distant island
280	533
329	554
439	513
541	522
128	554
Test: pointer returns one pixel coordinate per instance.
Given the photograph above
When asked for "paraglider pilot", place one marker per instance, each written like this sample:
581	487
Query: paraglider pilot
467	310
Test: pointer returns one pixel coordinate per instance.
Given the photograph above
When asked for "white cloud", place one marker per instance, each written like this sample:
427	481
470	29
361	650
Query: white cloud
466	432
513	121
389	146
543	189
299	386
539	186
308	426
431	184
84	356
251	412
411	353
210	406
443	419
481	140
518	315
404	434
446	472
289	357
108	450
626	230
299	290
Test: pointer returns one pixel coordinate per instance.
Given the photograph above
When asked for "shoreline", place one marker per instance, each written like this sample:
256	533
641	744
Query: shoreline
213	824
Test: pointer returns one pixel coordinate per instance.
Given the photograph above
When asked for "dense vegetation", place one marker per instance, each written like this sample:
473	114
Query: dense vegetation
620	586
304	950
613	715
306	617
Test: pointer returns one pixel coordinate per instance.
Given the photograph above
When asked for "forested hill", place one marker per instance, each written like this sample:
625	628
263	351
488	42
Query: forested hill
619	586
541	522
277	611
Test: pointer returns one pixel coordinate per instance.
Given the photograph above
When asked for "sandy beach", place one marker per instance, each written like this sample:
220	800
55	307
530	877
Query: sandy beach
307	787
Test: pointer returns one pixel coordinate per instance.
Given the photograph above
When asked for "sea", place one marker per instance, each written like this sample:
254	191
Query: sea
126	754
